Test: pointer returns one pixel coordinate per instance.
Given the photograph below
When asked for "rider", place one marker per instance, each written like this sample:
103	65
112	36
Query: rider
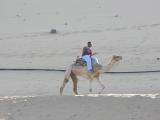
87	56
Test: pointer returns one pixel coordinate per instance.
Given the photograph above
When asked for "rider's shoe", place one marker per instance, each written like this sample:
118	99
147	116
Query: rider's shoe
91	70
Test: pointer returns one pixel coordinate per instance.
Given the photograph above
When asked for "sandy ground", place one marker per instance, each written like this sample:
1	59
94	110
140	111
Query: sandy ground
127	28
80	108
34	95
39	83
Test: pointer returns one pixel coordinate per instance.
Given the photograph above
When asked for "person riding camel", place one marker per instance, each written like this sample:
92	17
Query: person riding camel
87	55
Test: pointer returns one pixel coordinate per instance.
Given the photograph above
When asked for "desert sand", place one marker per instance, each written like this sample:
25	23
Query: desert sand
79	108
127	28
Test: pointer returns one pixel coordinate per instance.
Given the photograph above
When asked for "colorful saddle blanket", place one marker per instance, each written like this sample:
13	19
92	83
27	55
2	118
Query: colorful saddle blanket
81	62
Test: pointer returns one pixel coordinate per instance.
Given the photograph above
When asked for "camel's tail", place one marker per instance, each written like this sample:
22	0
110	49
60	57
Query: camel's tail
68	72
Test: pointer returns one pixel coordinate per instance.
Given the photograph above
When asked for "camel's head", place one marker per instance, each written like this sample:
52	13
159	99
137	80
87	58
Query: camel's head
117	58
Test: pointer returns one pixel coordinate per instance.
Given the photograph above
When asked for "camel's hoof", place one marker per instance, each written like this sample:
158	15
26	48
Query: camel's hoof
90	90
61	91
75	94
103	87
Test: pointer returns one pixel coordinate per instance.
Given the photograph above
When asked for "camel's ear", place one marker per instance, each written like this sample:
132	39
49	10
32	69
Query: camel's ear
117	58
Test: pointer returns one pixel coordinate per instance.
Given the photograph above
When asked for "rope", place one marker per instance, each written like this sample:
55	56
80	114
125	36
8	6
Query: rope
125	72
62	70
30	69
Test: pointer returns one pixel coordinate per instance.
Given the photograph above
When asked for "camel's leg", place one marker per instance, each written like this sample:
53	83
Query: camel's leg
100	83
90	77
102	86
63	85
90	86
75	81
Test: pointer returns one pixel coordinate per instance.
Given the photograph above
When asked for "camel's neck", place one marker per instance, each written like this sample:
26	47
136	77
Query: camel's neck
109	66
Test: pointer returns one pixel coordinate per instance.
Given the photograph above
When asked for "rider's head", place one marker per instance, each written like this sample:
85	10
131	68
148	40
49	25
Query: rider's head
89	44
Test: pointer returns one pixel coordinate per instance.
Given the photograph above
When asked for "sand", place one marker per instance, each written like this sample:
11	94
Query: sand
34	95
80	108
127	28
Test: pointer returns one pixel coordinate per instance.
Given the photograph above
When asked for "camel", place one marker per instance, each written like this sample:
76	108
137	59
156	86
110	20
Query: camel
75	70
